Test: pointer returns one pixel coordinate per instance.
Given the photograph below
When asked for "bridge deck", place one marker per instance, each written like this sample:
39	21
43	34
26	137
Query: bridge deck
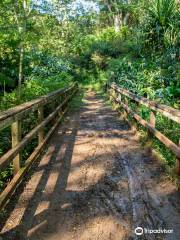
95	182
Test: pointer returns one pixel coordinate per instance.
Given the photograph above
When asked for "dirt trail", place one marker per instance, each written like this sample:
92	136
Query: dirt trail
94	182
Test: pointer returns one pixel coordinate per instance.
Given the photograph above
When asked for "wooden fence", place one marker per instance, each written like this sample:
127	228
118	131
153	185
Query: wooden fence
14	116
169	112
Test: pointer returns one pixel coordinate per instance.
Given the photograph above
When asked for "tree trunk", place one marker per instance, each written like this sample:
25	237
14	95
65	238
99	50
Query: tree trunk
21	58
117	22
21	24
126	19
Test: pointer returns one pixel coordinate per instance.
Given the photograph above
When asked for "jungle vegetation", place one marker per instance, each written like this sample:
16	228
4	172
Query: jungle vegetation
47	44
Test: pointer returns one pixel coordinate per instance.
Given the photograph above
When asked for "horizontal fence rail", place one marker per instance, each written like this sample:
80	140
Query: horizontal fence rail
14	116
117	93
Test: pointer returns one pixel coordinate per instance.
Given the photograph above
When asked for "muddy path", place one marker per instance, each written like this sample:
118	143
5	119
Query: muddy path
95	182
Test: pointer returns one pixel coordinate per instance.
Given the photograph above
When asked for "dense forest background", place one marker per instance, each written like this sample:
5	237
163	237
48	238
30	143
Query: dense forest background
45	45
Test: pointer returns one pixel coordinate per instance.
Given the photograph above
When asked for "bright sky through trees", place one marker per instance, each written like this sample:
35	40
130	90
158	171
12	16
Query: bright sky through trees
87	5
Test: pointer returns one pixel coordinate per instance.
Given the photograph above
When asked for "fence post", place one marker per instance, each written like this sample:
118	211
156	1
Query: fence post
121	115
115	96
152	122
40	119
119	98
177	167
60	100
134	125
16	138
125	114
64	98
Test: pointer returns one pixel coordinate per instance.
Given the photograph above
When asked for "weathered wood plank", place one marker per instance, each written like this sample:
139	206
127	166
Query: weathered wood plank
7	157
11	187
40	119
152	122
169	112
167	142
16	138
16	113
177	166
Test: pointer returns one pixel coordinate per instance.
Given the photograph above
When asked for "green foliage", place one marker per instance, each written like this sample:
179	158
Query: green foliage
99	47
162	11
160	24
150	77
35	87
6	82
50	65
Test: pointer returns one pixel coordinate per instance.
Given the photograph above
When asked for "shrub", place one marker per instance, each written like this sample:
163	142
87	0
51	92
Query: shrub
153	77
159	26
6	82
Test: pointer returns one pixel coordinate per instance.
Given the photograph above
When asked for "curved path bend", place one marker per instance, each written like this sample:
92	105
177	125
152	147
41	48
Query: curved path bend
94	182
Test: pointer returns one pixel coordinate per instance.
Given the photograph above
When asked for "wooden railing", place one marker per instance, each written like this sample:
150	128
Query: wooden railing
14	116
117	93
